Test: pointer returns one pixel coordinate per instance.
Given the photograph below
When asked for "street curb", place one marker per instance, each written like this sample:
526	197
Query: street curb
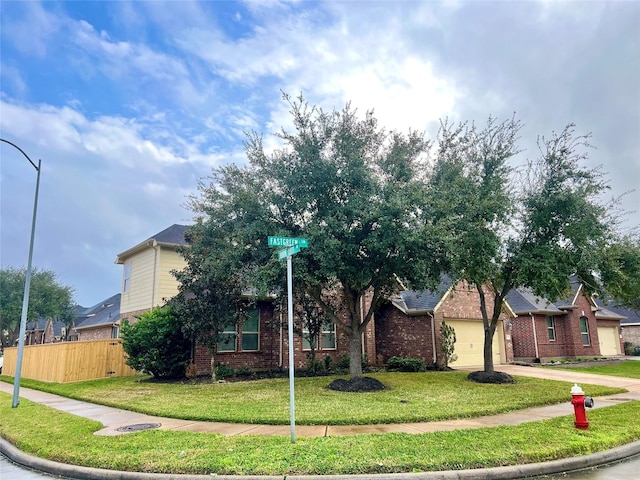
498	473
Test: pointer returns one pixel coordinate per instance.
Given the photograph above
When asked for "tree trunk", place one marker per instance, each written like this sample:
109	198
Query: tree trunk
355	354
213	366
488	350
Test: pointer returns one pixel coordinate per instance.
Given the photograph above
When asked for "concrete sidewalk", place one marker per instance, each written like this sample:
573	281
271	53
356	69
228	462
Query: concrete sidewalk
116	420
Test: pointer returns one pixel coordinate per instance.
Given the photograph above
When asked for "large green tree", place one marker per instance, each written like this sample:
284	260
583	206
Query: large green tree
533	226
48	298
350	187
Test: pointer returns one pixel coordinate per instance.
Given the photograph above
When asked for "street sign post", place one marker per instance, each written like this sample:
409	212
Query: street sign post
293	246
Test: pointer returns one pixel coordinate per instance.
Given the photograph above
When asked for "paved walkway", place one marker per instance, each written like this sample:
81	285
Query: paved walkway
114	419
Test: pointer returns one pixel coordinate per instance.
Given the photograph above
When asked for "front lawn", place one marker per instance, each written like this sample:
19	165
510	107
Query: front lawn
628	368
63	437
410	397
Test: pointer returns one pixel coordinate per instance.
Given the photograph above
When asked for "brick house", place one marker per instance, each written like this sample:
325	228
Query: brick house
409	326
99	322
45	330
563	328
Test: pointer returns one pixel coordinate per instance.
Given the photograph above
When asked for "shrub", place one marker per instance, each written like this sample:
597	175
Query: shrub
315	365
224	371
636	351
628	348
343	363
448	343
155	344
243	371
329	364
406	364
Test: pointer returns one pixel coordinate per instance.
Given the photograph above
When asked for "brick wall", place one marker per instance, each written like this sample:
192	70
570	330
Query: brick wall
398	334
274	346
97	333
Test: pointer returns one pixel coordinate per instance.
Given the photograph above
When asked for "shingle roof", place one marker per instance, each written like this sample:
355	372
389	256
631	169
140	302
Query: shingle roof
523	301
173	234
416	302
106	312
628	317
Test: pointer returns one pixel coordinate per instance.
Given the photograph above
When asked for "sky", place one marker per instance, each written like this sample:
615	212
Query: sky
130	104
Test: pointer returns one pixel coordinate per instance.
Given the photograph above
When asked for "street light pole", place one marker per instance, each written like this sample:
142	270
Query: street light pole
27	283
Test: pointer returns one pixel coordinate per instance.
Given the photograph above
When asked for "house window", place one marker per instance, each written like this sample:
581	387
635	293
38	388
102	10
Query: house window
227	342
328	337
551	328
584	331
126	281
251	331
115	331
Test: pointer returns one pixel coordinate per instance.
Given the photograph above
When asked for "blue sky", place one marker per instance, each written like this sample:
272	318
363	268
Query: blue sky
129	104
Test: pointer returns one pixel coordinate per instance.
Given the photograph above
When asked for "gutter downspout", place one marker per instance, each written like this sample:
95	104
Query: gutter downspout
154	245
433	336
535	335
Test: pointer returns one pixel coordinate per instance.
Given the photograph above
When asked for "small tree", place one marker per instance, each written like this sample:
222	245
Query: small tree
156	344
448	343
208	298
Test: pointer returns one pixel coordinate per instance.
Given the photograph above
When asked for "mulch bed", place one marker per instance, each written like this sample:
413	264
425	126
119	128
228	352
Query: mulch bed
359	384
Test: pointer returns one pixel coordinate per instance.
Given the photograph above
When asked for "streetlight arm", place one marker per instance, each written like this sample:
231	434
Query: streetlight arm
22	152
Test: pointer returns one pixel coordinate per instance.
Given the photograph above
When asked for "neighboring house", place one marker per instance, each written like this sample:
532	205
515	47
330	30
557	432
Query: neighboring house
45	331
409	326
99	322
147	281
565	328
630	324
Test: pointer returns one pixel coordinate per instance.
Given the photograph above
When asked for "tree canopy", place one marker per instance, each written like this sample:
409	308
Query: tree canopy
48	298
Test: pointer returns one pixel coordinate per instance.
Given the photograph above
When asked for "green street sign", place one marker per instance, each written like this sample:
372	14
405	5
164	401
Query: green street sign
282	254
274	241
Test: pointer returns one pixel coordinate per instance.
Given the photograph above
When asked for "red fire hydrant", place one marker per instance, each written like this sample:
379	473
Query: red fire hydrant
579	401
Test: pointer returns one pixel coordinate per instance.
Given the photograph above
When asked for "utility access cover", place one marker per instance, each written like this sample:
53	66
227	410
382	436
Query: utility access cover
138	427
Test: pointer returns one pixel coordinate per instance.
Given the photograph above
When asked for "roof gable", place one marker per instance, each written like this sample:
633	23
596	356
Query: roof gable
413	302
170	236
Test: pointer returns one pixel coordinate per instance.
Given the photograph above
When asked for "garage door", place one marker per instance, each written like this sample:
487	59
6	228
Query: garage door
470	343
609	343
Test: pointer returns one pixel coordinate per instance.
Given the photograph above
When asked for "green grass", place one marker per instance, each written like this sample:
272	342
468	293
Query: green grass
629	368
410	397
59	436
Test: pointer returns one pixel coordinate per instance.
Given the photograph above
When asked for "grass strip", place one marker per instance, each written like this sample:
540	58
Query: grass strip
629	368
410	397
63	437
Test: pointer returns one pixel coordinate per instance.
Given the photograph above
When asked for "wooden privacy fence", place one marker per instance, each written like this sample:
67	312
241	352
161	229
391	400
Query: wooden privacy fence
67	362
